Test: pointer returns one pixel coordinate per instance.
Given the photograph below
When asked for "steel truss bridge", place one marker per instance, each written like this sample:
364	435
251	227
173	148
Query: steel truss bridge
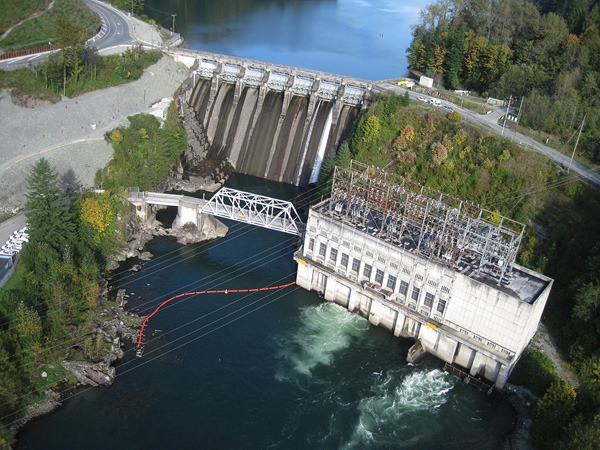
233	204
254	209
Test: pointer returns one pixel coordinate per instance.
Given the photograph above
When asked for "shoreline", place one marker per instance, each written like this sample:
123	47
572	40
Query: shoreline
119	324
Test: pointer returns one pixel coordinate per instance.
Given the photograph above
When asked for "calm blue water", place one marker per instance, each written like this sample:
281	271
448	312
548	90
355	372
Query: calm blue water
281	370
361	38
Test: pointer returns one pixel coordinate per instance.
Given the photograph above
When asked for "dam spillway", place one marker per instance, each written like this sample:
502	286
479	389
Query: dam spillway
270	121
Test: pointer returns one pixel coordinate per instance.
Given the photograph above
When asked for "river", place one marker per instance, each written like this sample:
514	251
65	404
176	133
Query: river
281	369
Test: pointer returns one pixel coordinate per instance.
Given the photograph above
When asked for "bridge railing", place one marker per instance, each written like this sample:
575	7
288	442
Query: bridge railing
255	209
245	62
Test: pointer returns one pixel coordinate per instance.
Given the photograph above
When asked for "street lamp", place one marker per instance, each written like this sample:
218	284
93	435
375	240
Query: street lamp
173	27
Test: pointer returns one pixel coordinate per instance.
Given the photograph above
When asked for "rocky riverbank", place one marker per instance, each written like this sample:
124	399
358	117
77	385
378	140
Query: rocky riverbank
114	329
135	233
115	326
522	402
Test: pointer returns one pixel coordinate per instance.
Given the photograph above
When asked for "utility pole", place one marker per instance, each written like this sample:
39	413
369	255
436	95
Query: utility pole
519	113
506	115
573	118
576	142
173	27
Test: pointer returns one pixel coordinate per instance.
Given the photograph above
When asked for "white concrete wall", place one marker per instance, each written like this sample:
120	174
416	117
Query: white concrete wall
185	214
480	328
186	60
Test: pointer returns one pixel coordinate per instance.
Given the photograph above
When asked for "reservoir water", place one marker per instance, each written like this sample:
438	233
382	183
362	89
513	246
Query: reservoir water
361	38
283	369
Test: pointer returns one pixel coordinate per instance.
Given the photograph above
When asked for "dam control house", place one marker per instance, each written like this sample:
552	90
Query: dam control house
425	266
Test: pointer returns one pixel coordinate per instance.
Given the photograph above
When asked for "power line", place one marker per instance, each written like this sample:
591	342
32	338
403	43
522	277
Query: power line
146	6
163	12
268	255
314	194
146	361
190	249
225	274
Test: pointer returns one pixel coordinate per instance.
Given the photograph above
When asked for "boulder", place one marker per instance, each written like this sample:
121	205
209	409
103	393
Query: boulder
91	374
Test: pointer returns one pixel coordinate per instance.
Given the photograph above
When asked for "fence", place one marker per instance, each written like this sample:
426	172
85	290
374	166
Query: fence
29	51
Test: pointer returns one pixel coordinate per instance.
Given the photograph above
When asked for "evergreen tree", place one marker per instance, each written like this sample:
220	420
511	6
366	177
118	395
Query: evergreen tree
326	174
455	58
49	220
344	155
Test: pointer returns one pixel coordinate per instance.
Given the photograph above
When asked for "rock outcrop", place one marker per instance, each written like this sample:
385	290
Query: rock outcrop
91	374
188	233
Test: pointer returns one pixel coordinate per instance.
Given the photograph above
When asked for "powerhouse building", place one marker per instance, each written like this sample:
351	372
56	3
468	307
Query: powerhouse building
425	266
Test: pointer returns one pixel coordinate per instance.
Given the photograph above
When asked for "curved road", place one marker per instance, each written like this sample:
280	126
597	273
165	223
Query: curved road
490	123
116	32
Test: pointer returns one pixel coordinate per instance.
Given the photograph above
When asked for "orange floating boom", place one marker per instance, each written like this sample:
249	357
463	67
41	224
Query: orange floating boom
221	291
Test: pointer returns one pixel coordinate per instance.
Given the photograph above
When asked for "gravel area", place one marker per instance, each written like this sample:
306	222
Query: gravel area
70	134
544	342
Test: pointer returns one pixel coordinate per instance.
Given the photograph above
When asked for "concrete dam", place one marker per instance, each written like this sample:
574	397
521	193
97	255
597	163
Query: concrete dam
270	121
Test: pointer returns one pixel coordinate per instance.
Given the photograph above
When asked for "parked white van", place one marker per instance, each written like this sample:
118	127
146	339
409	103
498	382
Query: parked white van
435	102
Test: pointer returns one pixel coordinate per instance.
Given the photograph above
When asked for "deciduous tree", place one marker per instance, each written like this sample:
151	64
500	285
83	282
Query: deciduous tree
553	413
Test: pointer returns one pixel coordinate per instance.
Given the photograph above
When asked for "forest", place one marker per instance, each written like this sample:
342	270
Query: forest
51	304
545	54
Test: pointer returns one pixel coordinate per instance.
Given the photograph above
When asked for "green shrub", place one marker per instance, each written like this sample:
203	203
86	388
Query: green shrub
454	116
534	371
144	153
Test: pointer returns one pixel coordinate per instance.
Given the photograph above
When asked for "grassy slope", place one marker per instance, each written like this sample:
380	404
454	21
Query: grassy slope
40	30
14	11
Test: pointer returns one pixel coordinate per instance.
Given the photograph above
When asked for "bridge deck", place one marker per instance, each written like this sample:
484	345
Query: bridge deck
255	209
233	204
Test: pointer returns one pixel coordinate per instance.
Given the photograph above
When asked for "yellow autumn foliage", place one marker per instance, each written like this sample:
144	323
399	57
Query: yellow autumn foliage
99	211
116	136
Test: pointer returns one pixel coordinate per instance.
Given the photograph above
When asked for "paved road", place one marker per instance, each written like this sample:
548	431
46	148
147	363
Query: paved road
116	34
71	133
490	123
11	225
116	30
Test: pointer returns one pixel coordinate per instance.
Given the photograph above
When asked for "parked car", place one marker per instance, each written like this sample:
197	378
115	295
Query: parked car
450	109
435	102
421	98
